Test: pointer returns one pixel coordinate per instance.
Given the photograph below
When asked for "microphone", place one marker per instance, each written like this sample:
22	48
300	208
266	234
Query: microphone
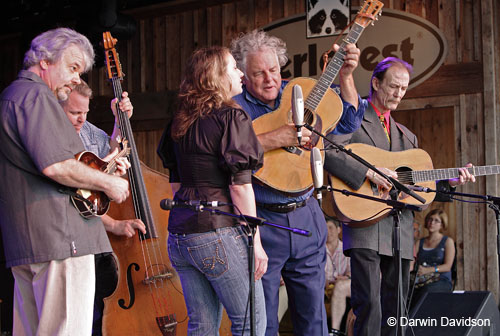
169	204
298	110
317	172
421	189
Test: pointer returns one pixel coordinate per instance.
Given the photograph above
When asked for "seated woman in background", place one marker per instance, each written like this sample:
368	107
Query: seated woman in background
435	255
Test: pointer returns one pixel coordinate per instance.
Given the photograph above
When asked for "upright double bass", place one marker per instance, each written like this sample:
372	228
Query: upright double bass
148	299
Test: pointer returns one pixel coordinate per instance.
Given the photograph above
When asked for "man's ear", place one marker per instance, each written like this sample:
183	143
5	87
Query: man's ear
44	64
375	83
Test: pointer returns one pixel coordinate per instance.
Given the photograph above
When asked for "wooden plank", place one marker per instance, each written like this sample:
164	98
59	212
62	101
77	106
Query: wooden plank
451	79
301	6
432	12
135	71
148	81
200	30
469	255
447	23
187	40
129	65
276	11
416	7
245	16
215	25
289	8
468	28
228	23
490	114
159	50
477	38
173	65
261	13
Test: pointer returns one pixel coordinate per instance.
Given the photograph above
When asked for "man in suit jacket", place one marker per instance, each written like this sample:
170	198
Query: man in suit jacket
374	297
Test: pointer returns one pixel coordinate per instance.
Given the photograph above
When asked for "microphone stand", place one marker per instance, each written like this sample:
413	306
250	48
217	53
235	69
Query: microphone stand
493	203
253	222
396	211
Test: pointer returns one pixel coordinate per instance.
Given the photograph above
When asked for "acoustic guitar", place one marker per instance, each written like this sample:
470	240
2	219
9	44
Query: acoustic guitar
91	203
413	166
288	169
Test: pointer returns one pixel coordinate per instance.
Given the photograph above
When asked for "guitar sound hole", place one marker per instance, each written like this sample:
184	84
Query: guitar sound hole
404	175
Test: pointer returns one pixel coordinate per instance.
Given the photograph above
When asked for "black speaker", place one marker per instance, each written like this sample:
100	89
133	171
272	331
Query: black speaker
454	314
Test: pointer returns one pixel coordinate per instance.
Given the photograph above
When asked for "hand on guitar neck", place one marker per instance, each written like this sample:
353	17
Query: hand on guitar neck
465	176
121	163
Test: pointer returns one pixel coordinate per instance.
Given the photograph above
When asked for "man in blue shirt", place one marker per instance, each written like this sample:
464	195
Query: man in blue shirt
299	260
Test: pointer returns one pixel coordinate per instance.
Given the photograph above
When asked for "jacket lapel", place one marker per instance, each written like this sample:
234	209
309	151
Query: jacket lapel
374	129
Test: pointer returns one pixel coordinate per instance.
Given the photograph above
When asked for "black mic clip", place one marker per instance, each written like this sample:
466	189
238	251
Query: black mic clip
198	206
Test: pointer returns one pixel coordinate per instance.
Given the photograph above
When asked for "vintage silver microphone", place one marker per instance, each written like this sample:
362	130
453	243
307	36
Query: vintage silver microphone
298	110
317	172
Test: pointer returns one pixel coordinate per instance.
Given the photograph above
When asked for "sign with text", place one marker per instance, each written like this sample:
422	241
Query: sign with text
396	33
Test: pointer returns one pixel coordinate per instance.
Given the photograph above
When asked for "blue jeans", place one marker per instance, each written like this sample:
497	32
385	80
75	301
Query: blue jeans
213	268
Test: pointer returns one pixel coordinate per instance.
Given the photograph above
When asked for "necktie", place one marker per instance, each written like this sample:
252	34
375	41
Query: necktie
382	120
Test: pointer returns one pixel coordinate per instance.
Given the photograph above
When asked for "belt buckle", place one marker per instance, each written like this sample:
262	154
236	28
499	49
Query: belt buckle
292	206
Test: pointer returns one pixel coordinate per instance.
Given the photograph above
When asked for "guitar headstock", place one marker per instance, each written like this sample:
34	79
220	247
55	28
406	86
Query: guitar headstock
113	65
369	12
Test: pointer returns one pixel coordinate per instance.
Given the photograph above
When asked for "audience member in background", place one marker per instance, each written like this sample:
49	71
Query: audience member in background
337	276
416	230
435	255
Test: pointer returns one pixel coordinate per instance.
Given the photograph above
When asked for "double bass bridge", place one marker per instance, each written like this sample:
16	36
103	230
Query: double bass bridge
162	274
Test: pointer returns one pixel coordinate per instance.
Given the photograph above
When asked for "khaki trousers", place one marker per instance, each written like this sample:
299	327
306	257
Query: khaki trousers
54	298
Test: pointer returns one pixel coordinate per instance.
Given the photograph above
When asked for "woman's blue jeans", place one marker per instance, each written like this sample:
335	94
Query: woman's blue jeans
213	268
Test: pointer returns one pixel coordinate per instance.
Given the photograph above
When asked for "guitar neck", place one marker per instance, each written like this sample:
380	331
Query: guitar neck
326	79
451	173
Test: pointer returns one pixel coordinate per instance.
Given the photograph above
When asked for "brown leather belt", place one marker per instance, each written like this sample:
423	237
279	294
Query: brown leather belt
282	207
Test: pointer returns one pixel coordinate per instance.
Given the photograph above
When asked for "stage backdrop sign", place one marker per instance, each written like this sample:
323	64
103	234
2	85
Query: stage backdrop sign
396	33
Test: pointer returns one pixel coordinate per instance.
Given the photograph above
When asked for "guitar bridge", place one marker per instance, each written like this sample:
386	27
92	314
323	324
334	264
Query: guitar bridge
374	188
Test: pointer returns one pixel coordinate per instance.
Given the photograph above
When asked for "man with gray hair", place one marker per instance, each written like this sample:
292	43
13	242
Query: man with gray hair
48	245
299	260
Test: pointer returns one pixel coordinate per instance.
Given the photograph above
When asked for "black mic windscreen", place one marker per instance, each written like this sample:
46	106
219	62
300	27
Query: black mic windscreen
167	204
317	168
